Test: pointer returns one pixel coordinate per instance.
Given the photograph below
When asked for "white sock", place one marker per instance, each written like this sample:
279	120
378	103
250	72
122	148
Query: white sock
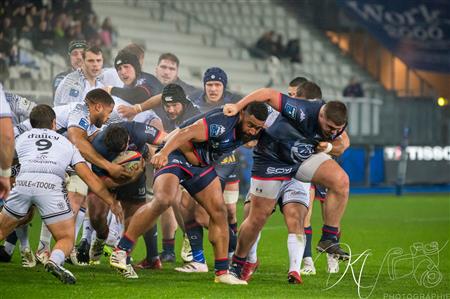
9	247
115	231
296	247
79	222
252	256
45	238
87	229
22	235
57	257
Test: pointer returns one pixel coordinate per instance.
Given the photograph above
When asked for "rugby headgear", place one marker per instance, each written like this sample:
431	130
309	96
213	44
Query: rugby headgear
77	44
215	74
124	57
173	93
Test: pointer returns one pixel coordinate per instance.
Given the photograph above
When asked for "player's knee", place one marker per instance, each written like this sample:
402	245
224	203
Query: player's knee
218	213
340	184
162	201
257	221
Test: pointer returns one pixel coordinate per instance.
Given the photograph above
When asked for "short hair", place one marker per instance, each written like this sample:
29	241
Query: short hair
116	138
94	49
257	109
309	90
42	116
169	56
135	49
336	111
99	96
297	81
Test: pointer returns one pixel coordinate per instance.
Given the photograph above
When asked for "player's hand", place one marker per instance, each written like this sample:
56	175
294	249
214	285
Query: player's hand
117	171
107	89
116	209
127	111
322	146
230	109
5	187
159	160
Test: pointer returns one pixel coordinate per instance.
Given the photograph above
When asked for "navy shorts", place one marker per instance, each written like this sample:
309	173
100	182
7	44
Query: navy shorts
268	168
228	169
320	192
134	192
193	178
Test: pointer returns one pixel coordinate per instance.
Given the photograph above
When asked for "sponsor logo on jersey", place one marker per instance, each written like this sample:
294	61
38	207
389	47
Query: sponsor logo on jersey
301	151
282	170
302	115
291	111
74	93
83	123
140	81
228	160
216	130
61	205
38	184
150	130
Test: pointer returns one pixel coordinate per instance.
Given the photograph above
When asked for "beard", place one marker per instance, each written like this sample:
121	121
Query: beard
240	135
98	123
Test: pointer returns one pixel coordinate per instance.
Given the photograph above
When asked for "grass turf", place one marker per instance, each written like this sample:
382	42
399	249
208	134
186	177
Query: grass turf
375	225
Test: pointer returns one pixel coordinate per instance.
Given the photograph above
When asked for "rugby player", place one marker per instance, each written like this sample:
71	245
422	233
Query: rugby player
44	156
75	86
7	145
195	218
78	121
188	158
166	71
296	145
75	51
20	110
138	86
109	143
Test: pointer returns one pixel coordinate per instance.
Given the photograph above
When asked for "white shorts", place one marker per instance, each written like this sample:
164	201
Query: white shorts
265	188
294	191
46	192
75	184
283	191
306	171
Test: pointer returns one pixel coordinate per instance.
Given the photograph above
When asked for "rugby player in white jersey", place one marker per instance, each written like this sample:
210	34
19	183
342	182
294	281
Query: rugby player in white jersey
44	156
75	86
20	109
6	144
79	121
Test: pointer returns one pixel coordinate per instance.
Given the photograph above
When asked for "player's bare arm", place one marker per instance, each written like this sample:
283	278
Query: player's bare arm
269	95
79	138
194	133
338	146
131	111
7	146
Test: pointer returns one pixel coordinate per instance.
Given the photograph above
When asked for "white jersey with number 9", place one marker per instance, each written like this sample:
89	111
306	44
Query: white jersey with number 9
45	151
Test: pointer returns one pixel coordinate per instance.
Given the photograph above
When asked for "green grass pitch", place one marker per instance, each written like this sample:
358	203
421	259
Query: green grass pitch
382	227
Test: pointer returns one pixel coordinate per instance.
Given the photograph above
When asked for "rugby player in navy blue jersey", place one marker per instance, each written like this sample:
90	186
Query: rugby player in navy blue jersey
138	85
115	139
213	95
295	146
187	159
173	108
